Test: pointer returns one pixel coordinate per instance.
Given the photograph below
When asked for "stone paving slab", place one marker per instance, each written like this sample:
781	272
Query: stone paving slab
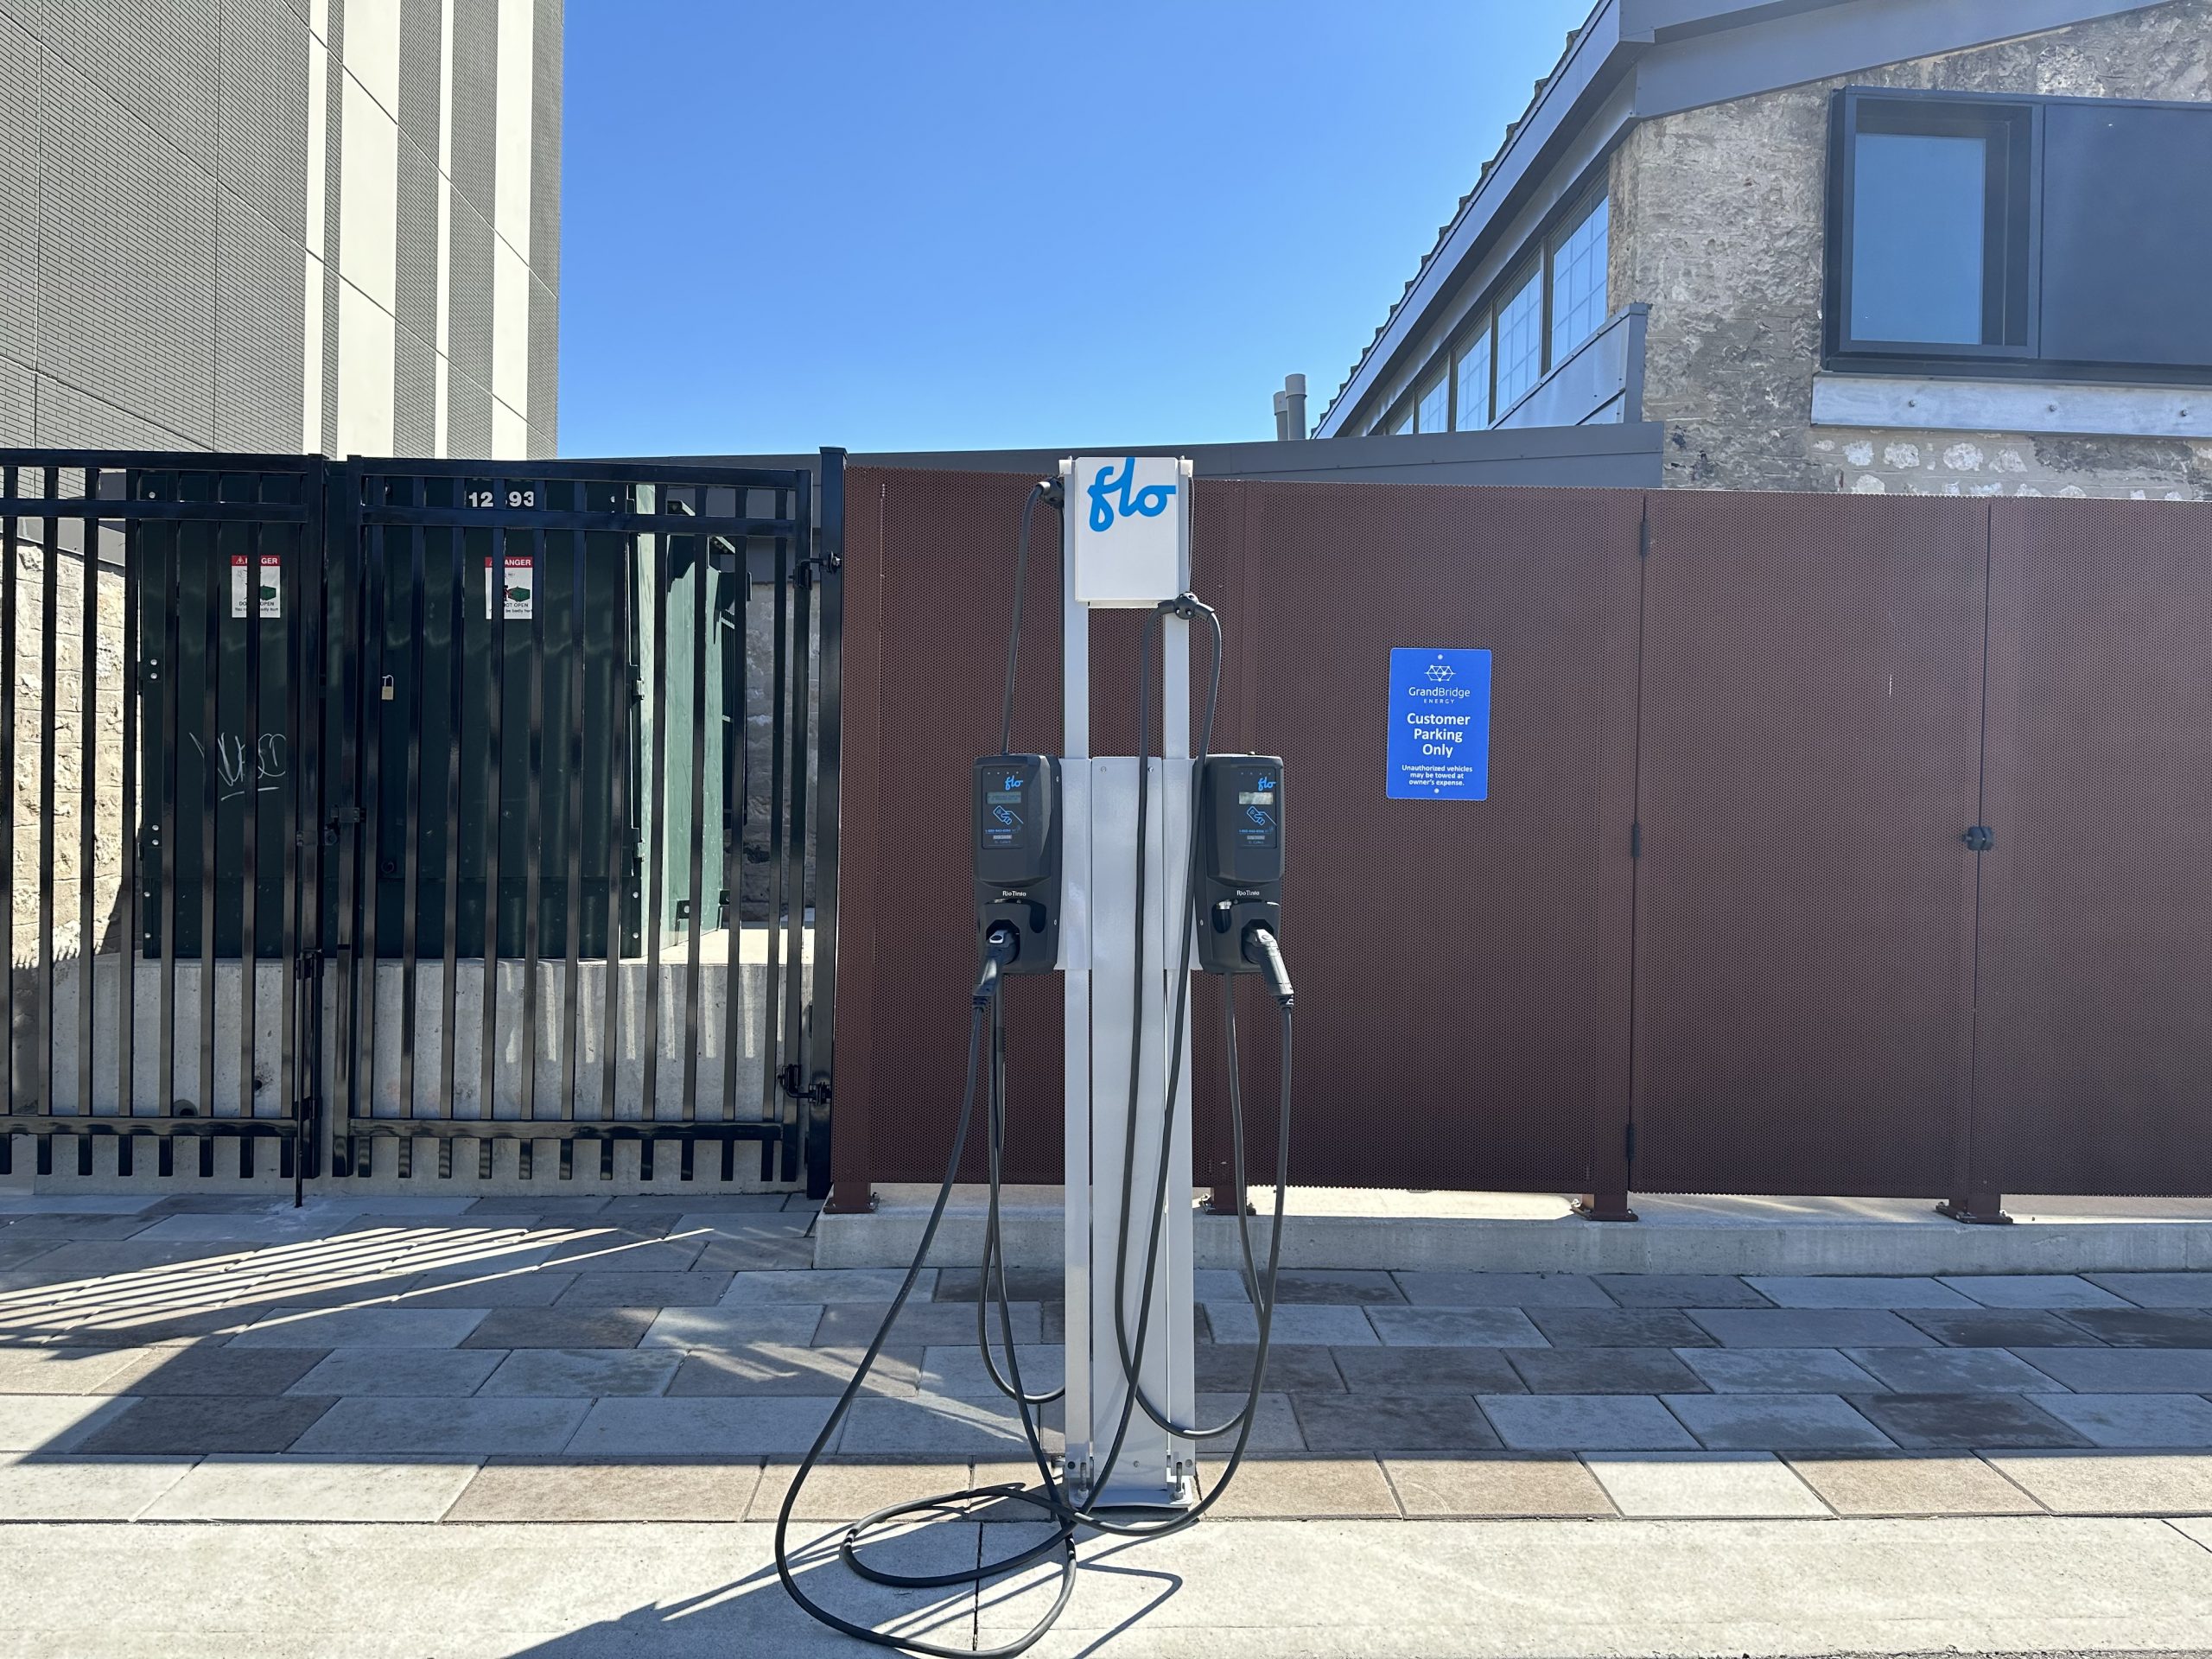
752	1426
2163	1420
1814	1327
1308	1489
1780	1370
1968	1421
308	1488
2001	1328
818	1284
1680	1290
921	1324
1782	1422
733	1328
1702	1485
377	1327
1406	1423
1312	1325
1395	1370
1598	1370
85	1488
208	1369
1502	1290
2104	1483
2037	1290
1478	1488
1582	1422
421	1372
984	1425
1949	1370
2142	1328
606	1492
1854	1291
960	1369
773	1368
561	1327
2157	1289
1228	1366
632	1289
56	1422
1455	1327
2124	1370
1913	1483
64	1371
1617	1327
186	1425
585	1373
397	1426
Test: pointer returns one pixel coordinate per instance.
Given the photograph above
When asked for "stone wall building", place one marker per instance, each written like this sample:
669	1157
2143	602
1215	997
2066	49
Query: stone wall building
2006	193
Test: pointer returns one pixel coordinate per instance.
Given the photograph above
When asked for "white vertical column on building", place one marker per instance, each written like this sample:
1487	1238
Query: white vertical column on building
318	130
368	228
511	227
441	388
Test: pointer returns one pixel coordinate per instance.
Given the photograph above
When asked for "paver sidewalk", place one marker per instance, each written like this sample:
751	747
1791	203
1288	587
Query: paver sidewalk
635	1369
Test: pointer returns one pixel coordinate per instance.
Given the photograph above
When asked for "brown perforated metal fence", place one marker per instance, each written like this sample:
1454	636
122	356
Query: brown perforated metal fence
1721	924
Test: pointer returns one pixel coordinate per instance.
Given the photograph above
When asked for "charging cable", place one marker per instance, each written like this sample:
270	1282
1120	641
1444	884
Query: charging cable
1052	1497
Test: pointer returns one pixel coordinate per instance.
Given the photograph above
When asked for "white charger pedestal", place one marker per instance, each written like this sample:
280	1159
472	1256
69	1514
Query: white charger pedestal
1127	546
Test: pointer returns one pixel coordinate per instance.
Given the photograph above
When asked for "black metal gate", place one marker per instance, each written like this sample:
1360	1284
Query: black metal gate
402	803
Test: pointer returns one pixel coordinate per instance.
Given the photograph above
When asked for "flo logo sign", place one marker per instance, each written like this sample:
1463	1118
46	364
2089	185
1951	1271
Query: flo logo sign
1128	528
1107	506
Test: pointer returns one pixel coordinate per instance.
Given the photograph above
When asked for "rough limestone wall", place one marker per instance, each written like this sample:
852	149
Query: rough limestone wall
1718	224
37	703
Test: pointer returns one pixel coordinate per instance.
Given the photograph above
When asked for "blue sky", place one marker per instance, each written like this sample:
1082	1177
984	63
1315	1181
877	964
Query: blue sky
892	225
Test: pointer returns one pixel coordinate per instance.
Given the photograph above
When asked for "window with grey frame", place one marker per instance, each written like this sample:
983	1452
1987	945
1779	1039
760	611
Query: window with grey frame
1987	235
1929	246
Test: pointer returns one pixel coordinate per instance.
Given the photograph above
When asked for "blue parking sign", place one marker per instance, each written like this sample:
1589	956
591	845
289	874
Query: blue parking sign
1439	725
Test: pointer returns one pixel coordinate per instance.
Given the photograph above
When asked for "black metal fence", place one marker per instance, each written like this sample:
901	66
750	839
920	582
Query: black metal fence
401	803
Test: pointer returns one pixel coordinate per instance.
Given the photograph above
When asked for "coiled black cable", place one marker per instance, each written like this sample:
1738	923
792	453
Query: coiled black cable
1066	1516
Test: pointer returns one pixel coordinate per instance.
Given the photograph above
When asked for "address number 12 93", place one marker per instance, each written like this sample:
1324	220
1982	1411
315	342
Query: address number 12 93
513	498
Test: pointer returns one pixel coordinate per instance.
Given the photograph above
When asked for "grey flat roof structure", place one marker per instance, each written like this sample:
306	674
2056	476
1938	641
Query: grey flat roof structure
1637	59
1617	456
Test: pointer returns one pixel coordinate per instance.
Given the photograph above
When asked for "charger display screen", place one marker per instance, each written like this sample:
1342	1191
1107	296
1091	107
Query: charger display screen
1006	813
1256	823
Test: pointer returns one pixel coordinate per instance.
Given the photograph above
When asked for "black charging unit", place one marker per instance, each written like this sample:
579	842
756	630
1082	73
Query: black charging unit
1240	859
1017	848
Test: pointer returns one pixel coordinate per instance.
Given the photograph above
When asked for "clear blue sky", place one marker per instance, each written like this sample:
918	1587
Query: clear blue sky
966	224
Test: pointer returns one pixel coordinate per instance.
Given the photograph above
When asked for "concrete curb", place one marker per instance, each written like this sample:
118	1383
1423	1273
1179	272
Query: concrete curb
1034	1238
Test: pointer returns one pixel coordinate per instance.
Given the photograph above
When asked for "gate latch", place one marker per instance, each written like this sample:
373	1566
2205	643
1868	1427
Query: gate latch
1980	839
819	1094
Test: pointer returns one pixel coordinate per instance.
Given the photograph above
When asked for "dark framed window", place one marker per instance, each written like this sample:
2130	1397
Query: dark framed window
1932	227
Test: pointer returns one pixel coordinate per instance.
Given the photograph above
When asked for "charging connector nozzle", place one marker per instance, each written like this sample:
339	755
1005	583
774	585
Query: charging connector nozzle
1000	946
1261	949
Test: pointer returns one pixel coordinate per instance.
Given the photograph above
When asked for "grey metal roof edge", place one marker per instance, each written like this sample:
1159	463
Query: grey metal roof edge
1596	52
1546	449
1682	56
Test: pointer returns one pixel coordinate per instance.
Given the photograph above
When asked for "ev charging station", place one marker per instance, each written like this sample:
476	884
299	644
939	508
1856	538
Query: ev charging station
1126	545
1126	876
